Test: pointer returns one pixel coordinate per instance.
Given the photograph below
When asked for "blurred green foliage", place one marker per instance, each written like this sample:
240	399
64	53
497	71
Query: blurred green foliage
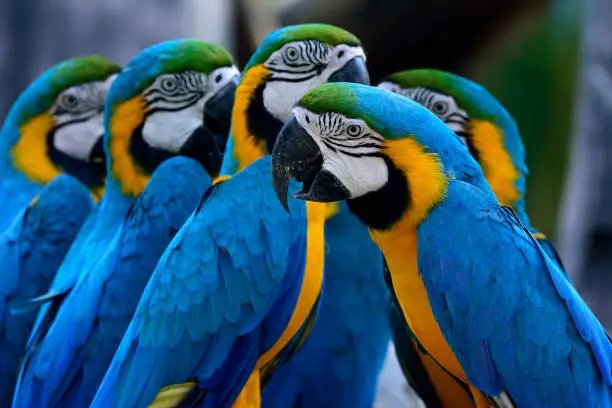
535	80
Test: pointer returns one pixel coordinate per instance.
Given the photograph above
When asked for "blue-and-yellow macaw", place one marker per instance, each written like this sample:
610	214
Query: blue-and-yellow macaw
157	108
55	127
493	139
233	295
339	364
483	297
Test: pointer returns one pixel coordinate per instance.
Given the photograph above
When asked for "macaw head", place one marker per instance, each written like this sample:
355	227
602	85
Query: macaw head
288	63
56	125
480	121
174	98
389	157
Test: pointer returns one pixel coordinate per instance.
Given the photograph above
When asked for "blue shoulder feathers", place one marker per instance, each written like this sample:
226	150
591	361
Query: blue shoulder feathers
531	326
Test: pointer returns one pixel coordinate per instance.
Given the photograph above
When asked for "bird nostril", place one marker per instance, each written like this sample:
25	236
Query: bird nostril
341	54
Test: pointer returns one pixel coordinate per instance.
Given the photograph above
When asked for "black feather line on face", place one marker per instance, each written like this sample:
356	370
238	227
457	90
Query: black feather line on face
381	209
93	175
260	122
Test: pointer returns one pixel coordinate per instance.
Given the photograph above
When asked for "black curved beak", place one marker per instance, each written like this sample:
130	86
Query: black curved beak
353	71
207	143
218	112
297	155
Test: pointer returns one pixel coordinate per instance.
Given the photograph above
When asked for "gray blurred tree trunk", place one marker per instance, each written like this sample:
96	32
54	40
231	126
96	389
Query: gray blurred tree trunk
585	230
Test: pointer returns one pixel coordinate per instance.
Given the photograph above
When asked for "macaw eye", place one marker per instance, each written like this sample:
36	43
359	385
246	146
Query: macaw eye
291	54
353	130
439	108
69	101
169	84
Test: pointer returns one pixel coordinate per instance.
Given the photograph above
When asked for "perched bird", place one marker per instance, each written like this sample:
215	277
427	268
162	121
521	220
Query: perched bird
236	291
493	139
54	127
156	109
485	300
340	363
31	250
69	364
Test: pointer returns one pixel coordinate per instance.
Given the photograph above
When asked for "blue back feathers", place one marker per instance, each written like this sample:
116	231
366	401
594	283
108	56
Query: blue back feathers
69	364
205	312
31	251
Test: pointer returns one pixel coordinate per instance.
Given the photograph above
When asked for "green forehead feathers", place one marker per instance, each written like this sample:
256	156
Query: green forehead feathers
168	57
470	96
325	33
41	94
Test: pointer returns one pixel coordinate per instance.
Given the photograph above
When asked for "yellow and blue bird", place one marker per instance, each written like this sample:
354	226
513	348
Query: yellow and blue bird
157	108
236	291
482	296
493	139
54	127
52	134
340	363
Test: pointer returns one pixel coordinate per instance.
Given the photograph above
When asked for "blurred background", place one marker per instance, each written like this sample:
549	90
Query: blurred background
548	61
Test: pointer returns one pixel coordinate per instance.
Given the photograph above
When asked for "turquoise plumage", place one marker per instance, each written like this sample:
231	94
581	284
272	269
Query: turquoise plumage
70	363
493	139
31	250
221	296
169	80
339	364
41	210
520	331
239	217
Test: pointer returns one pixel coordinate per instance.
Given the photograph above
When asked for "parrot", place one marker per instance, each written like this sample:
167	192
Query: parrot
55	127
174	98
236	292
482	296
52	167
493	139
340	363
69	364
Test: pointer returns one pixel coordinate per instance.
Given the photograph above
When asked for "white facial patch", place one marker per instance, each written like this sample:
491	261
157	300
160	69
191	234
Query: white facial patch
176	105
78	139
445	107
79	113
350	150
299	67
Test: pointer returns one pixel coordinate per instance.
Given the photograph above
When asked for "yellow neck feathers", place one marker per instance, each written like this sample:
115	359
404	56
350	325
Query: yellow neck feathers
30	152
424	173
125	119
247	148
495	161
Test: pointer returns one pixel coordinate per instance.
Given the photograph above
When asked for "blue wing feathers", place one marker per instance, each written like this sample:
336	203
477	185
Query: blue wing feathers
531	327
340	362
31	252
90	324
212	265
